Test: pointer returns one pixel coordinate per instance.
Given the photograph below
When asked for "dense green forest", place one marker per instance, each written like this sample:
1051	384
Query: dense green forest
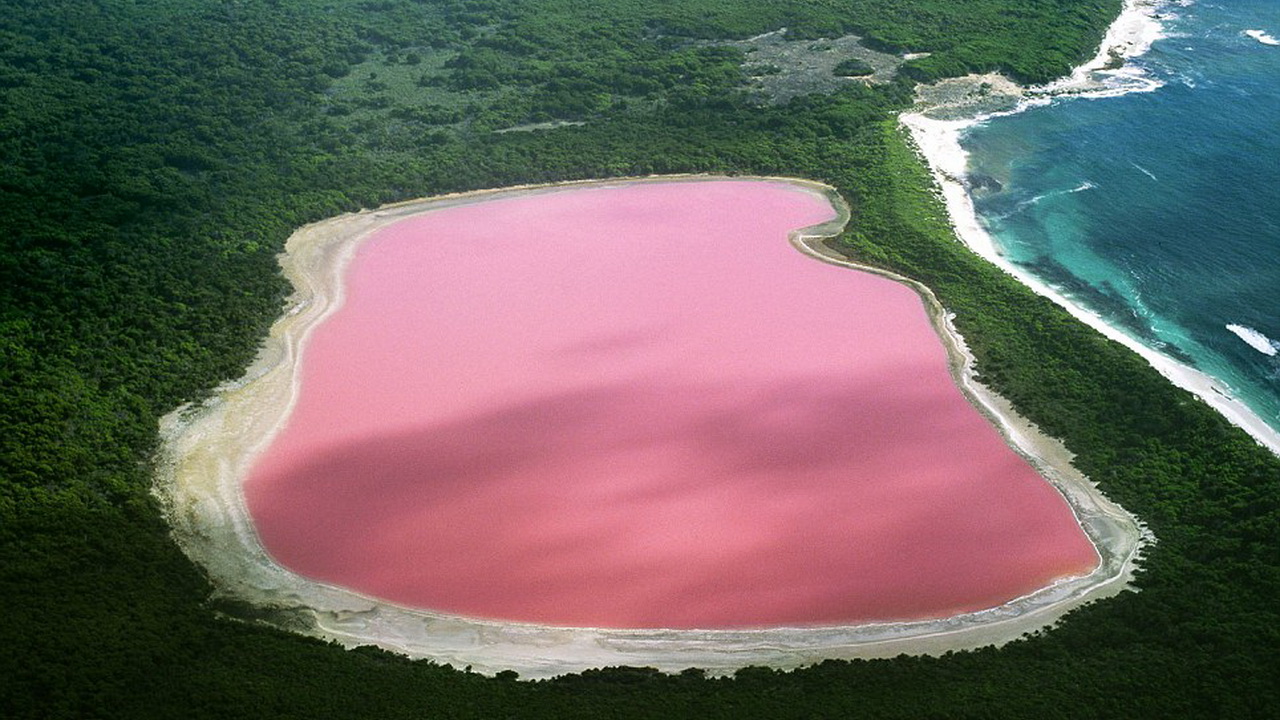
154	155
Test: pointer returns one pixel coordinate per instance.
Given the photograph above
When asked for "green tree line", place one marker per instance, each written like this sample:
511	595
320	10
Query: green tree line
154	155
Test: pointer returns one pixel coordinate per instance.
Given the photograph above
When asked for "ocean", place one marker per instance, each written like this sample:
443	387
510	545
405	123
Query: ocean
1158	209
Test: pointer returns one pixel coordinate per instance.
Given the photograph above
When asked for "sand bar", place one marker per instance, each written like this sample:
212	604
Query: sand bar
209	449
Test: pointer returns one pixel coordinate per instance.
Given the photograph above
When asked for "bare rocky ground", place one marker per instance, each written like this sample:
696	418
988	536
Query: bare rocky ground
781	69
969	96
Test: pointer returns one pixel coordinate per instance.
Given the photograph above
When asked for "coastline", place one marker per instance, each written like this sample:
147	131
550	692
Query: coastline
208	450
937	130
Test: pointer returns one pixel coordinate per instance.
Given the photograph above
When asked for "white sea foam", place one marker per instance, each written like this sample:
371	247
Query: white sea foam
1145	171
1107	75
1132	34
1262	37
1256	340
1086	185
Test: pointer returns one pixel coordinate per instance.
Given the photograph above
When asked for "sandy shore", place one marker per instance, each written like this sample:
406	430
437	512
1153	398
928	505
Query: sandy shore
937	129
209	449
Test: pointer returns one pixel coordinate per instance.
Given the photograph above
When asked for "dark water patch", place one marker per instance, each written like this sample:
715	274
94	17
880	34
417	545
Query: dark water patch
1104	299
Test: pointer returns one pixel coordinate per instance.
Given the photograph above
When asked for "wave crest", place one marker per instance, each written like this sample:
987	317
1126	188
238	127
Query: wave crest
1256	340
1262	37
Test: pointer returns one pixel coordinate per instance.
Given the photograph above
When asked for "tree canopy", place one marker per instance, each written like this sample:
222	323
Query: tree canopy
154	155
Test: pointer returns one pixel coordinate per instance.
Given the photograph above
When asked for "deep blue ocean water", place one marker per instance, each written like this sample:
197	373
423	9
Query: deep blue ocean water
1161	210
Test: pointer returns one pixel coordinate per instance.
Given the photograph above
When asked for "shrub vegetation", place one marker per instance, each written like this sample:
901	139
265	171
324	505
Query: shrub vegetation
154	155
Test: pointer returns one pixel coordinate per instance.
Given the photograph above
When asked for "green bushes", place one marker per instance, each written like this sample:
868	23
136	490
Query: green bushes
853	67
155	155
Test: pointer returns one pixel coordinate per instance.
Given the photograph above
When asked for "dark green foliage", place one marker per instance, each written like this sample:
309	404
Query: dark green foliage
853	67
155	154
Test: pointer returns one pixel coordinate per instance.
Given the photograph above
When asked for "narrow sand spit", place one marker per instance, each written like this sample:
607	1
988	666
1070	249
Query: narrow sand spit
208	450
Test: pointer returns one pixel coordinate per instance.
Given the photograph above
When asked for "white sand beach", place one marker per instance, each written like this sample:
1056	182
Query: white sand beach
939	142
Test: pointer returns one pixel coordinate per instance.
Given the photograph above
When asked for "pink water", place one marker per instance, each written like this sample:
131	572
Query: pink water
639	406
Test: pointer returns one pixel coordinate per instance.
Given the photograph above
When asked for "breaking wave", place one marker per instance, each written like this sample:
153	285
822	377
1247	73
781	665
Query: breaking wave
1256	340
1262	37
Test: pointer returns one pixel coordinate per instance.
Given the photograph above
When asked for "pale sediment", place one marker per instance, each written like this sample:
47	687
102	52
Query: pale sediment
208	451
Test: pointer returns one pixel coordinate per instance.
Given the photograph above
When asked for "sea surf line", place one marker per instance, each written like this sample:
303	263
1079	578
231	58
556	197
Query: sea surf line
1131	36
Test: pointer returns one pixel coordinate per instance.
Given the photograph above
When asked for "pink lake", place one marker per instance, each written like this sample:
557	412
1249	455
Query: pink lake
639	406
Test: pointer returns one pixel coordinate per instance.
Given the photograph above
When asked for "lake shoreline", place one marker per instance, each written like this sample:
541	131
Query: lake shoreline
208	451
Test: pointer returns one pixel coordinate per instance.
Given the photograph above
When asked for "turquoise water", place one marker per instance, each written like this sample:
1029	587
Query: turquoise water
1160	210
